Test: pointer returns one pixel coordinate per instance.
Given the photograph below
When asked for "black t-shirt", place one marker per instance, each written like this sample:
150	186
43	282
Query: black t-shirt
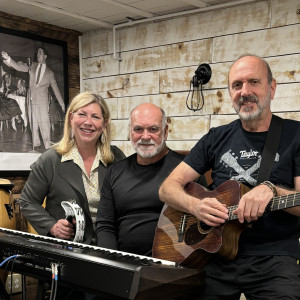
235	154
129	207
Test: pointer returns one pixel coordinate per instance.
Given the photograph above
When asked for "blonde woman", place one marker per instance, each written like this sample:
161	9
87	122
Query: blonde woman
73	169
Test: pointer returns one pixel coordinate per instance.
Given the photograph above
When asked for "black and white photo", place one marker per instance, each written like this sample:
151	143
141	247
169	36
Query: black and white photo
33	96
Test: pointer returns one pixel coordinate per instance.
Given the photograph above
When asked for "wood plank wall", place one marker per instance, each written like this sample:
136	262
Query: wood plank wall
53	32
160	58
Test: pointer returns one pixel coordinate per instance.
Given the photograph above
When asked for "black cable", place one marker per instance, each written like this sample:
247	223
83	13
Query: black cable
11	284
52	288
55	290
54	269
11	275
69	294
23	287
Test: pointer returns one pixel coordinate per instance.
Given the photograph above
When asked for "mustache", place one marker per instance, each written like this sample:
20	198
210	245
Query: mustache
251	98
141	142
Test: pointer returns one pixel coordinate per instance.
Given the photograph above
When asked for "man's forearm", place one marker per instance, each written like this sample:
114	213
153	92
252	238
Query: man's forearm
173	194
22	67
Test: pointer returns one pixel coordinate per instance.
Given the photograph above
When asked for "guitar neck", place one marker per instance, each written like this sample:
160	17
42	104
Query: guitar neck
277	203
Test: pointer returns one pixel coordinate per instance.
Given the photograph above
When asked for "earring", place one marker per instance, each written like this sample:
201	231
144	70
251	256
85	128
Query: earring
71	134
103	138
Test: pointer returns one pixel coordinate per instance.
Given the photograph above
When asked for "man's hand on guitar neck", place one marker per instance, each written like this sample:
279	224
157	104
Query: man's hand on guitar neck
252	205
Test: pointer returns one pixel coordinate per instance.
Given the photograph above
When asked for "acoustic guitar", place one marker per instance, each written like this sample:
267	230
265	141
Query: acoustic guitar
182	238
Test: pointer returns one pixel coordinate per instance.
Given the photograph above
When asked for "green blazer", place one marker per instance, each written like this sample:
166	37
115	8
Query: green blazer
58	181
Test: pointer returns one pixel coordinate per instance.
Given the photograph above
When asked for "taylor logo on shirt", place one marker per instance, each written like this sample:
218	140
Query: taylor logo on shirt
243	168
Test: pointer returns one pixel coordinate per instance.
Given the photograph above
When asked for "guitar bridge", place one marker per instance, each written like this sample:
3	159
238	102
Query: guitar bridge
182	227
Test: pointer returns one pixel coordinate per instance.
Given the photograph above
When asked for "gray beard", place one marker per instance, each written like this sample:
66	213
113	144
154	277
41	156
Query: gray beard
148	154
251	115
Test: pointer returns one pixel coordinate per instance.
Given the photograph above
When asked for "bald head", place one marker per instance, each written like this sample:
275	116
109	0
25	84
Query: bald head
254	59
148	110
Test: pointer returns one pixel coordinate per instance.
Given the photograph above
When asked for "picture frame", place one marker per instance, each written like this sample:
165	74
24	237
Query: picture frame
22	96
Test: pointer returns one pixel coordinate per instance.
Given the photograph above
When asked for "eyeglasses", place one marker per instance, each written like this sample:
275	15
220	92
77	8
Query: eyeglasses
140	130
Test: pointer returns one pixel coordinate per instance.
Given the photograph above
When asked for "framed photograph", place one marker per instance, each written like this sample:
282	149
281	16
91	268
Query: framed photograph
33	96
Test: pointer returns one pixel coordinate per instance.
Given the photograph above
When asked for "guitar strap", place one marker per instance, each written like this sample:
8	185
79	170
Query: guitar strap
270	148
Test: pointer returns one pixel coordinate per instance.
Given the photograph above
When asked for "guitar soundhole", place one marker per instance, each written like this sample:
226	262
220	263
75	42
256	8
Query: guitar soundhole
204	228
192	235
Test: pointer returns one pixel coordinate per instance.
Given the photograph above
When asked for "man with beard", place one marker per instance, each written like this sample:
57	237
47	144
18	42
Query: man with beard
265	266
130	207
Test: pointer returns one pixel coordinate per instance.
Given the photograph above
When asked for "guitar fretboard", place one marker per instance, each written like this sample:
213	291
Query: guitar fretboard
277	203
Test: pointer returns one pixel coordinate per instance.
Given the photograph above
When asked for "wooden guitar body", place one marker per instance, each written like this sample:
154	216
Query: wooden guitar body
182	238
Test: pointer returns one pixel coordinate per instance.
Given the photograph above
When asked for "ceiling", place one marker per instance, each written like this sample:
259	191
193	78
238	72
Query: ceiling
87	15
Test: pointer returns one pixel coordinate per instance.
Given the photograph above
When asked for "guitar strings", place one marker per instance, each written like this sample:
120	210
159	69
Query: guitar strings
276	202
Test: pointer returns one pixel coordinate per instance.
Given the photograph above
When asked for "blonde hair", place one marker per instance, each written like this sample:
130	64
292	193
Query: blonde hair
67	142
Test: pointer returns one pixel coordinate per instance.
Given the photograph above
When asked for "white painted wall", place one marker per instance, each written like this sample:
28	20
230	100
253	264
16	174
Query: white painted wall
159	60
